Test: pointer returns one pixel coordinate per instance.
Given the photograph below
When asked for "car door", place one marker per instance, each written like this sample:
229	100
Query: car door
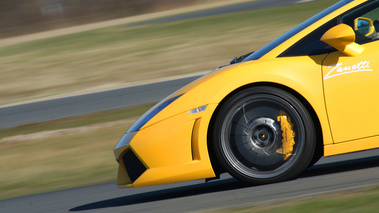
351	83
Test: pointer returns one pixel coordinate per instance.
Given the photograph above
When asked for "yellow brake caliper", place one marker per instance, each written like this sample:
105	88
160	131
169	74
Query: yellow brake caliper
288	135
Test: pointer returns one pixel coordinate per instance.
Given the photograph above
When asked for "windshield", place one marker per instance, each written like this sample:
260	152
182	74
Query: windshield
263	51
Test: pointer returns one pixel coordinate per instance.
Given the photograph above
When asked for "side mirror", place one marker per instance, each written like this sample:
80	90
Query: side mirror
342	37
363	25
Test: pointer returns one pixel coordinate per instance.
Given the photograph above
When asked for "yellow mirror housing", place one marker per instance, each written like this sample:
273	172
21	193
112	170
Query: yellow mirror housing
342	37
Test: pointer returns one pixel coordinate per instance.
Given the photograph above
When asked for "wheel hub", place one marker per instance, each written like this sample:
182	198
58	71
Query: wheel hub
263	134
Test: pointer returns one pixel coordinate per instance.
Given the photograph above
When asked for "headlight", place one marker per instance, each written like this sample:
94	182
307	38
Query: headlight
197	110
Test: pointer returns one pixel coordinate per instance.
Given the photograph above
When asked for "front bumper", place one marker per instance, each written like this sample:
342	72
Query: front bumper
169	151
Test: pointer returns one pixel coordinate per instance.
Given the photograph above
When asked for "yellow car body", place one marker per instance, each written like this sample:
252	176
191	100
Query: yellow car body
337	86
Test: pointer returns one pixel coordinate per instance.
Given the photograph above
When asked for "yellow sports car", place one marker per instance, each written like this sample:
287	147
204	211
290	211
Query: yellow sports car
270	114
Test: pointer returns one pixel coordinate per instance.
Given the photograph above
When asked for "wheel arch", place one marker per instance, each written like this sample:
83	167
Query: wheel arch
319	149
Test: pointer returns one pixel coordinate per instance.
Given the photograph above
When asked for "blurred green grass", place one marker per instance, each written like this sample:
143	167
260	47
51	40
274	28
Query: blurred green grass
59	162
122	54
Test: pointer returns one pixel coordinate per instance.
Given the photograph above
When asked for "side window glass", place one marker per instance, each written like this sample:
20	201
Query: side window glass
365	22
311	44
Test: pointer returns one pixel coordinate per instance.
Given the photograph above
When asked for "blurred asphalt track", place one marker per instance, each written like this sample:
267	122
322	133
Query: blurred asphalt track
88	103
335	175
11	116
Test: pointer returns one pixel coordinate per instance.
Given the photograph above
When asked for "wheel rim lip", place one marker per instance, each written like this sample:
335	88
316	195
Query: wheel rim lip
254	173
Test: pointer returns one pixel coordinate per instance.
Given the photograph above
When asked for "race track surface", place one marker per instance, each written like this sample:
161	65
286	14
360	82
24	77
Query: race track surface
89	103
331	175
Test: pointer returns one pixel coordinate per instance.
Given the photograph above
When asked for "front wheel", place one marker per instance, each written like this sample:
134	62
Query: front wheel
263	135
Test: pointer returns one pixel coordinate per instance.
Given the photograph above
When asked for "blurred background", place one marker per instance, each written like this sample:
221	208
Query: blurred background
27	16
37	63
43	58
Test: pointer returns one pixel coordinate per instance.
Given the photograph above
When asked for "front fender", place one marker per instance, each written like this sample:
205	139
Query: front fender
300	74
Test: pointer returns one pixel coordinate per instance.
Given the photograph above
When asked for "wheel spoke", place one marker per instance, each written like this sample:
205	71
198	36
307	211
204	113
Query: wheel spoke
244	113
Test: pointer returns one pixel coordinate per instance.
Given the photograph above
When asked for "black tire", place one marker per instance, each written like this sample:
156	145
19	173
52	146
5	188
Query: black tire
248	136
315	159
